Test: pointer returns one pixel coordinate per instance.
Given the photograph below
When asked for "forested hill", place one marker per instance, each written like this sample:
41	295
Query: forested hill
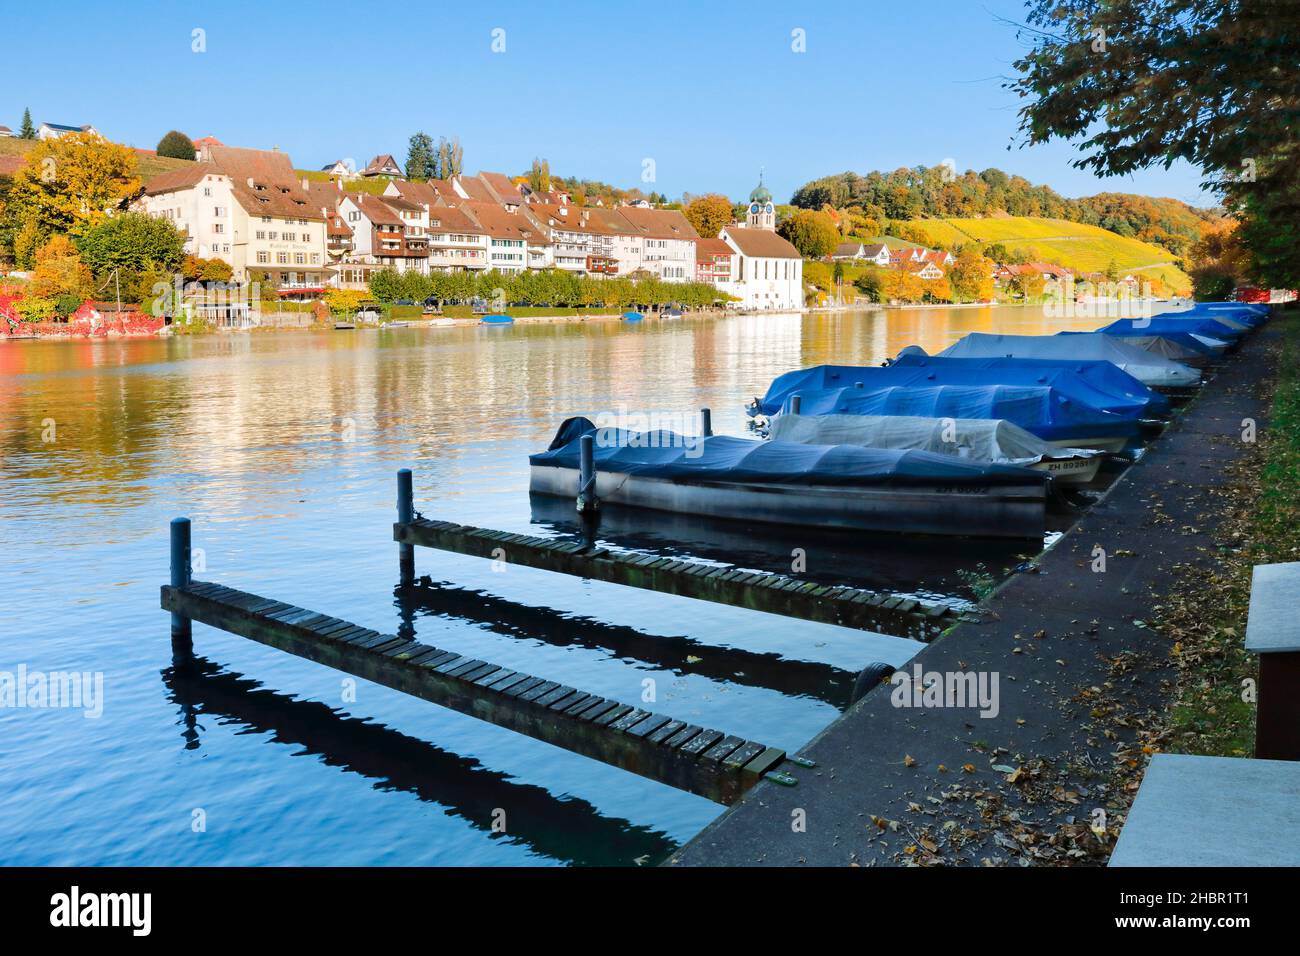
879	199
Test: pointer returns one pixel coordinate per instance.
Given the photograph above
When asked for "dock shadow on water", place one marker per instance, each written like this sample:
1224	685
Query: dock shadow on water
564	829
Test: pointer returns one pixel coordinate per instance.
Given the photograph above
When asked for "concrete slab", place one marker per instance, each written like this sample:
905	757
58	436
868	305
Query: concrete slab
1273	625
1213	811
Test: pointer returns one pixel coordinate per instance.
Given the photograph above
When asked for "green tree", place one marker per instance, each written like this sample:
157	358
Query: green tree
1149	82
130	243
386	285
539	176
421	162
176	145
812	233
28	131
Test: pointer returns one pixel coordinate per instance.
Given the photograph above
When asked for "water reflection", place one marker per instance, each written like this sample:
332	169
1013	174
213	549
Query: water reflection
567	829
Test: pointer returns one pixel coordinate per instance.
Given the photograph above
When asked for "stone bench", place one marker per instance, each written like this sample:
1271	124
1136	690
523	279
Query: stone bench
1213	811
1273	632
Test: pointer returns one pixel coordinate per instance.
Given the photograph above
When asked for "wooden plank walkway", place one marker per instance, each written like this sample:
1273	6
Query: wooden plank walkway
706	762
757	591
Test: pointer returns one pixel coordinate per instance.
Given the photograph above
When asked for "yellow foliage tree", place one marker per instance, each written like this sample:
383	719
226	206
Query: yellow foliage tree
69	184
971	275
59	271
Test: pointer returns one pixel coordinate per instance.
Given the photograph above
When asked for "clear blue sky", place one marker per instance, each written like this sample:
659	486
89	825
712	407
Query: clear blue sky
710	92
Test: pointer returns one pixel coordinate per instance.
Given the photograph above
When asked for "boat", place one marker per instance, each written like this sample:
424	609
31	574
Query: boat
671	313
1150	370
787	483
632	316
1204	328
972	439
1175	346
1041	410
497	318
343	326
1099	384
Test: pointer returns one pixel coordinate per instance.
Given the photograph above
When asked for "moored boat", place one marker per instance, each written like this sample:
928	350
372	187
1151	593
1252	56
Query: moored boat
1150	370
778	482
984	440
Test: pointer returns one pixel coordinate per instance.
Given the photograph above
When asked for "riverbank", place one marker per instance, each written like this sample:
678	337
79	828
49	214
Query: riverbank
1088	657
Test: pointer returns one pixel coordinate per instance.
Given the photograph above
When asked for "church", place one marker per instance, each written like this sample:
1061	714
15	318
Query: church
766	271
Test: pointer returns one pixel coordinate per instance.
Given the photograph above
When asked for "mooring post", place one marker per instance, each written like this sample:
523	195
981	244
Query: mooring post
795	403
587	502
706	422
180	566
405	515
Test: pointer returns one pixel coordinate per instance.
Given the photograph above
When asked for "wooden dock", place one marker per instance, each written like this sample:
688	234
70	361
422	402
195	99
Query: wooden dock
757	591
706	762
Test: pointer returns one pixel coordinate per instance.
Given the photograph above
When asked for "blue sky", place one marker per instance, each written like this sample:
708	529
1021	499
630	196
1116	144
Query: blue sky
710	92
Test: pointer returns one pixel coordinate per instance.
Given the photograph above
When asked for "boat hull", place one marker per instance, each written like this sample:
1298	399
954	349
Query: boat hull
1070	471
992	510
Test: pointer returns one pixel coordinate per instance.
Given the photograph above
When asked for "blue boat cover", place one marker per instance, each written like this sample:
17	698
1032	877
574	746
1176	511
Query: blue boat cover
1040	409
1241	311
1099	384
665	454
1180	337
1152	369
1192	325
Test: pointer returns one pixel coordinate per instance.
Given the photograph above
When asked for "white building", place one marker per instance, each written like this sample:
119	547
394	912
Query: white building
246	207
55	130
767	271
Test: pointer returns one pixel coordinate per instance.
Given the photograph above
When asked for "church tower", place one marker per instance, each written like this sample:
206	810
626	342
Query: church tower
762	214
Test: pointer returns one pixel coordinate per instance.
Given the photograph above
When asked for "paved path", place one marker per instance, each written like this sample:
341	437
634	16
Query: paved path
1077	674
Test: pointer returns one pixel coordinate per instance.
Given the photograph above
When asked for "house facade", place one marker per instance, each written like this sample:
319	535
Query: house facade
245	207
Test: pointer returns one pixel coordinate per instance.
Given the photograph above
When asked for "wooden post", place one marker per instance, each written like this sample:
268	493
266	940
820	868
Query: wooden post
180	568
1272	632
795	403
706	423
587	502
405	515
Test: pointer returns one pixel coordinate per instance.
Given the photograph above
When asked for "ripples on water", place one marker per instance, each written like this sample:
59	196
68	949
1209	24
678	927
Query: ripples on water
282	448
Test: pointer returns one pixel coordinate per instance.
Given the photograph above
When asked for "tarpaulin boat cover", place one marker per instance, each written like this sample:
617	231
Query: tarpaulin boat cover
1177	346
1039	409
976	439
1100	384
664	454
1194	325
1147	368
1249	314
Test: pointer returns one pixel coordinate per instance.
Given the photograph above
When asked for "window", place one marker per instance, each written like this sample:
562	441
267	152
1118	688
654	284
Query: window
207	190
266	219
315	258
273	236
218	211
282	258
306	237
299	259
263	258
261	234
218	227
290	237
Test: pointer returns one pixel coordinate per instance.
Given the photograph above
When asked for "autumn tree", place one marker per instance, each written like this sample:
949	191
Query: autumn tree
67	186
971	277
59	272
176	145
812	233
708	214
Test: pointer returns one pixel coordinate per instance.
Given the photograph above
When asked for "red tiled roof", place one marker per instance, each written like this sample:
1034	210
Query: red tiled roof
706	249
761	243
663	223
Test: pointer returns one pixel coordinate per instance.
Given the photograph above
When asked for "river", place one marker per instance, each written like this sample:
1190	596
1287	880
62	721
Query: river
282	448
